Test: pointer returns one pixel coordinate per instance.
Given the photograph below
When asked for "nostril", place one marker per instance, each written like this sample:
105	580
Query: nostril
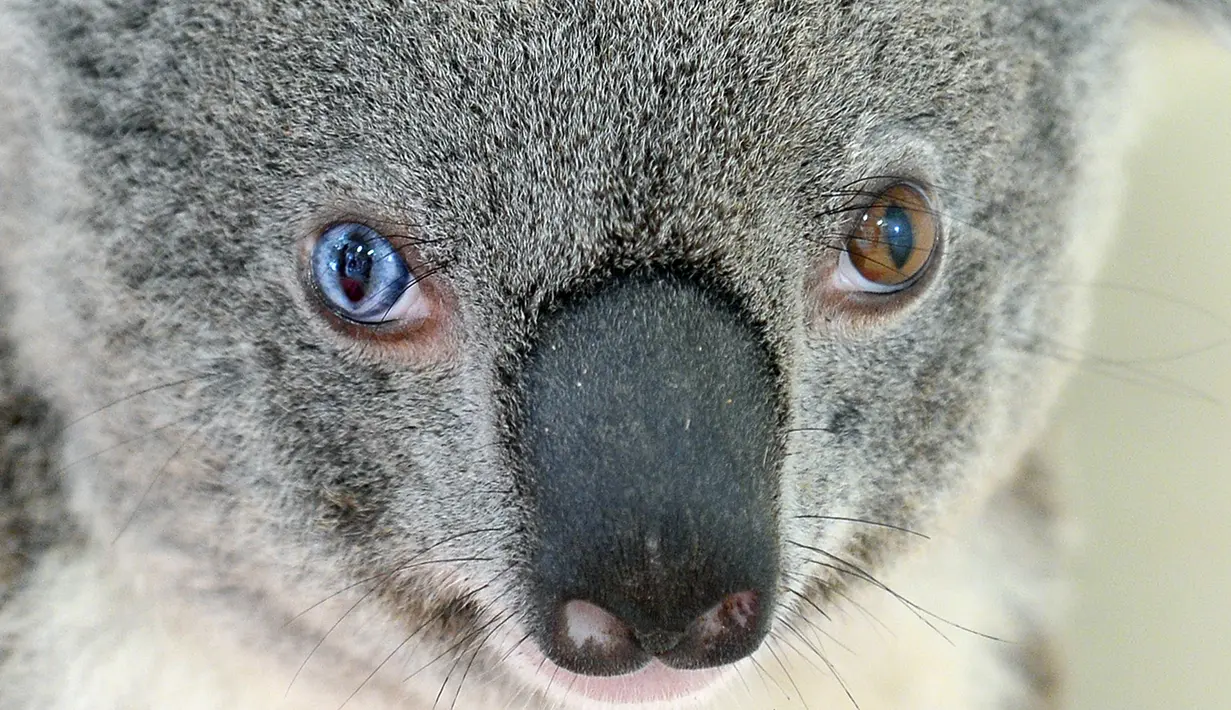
590	640
587	639
736	614
726	632
590	626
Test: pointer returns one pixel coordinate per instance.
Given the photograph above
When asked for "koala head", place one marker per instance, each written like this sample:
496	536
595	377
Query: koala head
568	339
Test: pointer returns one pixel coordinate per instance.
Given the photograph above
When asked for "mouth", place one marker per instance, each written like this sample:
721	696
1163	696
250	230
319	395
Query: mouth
654	682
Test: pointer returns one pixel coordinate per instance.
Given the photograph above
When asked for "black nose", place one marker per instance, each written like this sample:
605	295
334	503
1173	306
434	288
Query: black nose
650	429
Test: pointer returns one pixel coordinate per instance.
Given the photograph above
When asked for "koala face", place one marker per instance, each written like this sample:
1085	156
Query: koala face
586	341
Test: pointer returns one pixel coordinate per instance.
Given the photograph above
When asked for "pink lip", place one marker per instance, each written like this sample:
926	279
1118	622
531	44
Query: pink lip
656	682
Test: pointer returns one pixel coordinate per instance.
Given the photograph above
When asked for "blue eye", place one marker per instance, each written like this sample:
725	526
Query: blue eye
362	277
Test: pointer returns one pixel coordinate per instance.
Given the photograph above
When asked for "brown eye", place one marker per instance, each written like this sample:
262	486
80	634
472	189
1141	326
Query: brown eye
892	244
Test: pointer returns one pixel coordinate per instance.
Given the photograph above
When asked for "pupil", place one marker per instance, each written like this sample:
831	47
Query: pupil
355	270
898	235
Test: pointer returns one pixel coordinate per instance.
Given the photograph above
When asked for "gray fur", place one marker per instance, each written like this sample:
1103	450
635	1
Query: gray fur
225	452
1216	12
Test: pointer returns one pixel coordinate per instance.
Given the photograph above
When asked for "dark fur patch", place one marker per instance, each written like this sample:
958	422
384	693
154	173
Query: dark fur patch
32	508
1037	658
1041	667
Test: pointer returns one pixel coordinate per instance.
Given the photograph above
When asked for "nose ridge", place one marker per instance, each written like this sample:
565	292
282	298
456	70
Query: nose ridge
649	424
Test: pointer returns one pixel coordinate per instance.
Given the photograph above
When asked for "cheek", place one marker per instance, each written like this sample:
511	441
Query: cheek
908	406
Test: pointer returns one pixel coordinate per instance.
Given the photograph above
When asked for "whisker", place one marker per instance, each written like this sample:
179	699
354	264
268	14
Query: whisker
385	576
466	638
494	626
813	604
872	523
381	579
787	672
428	622
873	618
408	565
517	645
1160	359
878	584
125	442
860	573
766	676
478	649
384	661
804	639
552	679
316	647
1120	372
811	623
1160	296
133	395
155	479
739	673
841	681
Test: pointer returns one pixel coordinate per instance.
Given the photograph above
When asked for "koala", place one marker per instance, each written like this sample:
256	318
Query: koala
543	353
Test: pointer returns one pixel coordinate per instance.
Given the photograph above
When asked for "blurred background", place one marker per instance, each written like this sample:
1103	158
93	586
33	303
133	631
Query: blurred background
1145	430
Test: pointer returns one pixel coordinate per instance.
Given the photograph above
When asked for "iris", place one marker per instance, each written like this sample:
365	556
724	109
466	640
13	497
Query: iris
359	274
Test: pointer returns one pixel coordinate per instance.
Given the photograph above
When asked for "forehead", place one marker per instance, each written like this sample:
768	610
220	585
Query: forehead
591	79
596	117
559	81
616	98
559	74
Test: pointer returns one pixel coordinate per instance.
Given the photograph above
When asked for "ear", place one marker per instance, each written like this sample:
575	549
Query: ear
1212	15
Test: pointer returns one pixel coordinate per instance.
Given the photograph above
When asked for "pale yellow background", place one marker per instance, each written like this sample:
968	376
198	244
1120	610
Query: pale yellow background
1149	457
